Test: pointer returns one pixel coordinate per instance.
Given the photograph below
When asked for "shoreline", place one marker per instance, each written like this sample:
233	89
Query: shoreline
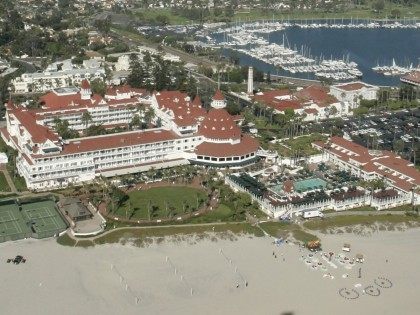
158	278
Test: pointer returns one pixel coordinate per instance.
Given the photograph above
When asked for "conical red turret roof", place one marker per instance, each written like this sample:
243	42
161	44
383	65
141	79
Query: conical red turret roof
218	96
218	124
85	84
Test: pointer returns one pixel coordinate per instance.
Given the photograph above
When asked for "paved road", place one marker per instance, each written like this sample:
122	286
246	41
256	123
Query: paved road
185	57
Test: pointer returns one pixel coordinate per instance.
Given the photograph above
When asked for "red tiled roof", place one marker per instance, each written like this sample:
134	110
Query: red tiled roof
85	84
218	96
246	146
118	140
318	94
401	166
412	77
288	185
352	86
383	163
197	101
311	111
349	145
53	101
218	124
38	133
272	96
5	133
185	112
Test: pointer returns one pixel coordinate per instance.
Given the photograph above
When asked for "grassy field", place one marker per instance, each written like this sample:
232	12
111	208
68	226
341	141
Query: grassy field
66	240
4	186
365	220
358	12
20	183
149	16
221	214
284	229
303	145
153	16
162	202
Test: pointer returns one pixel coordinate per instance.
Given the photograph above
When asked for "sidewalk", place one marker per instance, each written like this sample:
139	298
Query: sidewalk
10	181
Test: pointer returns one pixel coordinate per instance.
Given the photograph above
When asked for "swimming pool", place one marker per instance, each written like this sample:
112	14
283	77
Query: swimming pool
309	184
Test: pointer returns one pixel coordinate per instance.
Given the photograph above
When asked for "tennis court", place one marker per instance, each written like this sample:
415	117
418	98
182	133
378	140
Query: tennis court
38	219
12	225
43	218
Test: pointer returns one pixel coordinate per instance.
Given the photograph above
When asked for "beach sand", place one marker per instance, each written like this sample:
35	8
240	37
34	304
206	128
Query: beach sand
123	279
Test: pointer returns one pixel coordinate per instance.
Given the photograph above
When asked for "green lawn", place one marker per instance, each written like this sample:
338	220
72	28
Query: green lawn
357	12
302	144
162	202
149	15
284	229
20	183
66	240
221	214
352	220
4	186
142	236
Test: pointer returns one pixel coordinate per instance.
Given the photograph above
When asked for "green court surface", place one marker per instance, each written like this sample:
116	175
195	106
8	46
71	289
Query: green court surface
38	219
11	224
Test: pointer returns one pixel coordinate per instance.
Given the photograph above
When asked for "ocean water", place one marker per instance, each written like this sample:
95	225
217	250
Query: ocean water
366	47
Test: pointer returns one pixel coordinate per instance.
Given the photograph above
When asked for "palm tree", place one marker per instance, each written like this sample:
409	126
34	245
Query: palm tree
148	115
86	119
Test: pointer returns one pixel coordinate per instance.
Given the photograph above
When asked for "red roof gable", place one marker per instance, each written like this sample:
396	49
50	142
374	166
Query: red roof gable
38	133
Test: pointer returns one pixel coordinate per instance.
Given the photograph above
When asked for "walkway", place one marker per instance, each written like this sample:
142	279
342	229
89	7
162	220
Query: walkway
93	238
10	181
361	212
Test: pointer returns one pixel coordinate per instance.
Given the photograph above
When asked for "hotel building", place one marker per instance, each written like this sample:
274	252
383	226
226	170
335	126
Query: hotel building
188	134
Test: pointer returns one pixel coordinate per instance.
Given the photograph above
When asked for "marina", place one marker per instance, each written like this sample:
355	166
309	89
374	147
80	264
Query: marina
330	50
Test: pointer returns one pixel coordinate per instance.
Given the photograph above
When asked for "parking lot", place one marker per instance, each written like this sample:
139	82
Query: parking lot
396	131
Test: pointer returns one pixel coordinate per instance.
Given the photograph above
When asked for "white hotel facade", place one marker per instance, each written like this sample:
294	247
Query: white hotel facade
369	165
47	162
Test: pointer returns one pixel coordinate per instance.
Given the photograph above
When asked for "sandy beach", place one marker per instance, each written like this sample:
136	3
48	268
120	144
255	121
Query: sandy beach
213	277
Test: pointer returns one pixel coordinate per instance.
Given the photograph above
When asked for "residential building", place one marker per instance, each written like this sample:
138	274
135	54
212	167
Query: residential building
351	93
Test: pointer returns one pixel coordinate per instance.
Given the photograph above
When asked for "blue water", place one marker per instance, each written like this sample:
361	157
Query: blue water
366	47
